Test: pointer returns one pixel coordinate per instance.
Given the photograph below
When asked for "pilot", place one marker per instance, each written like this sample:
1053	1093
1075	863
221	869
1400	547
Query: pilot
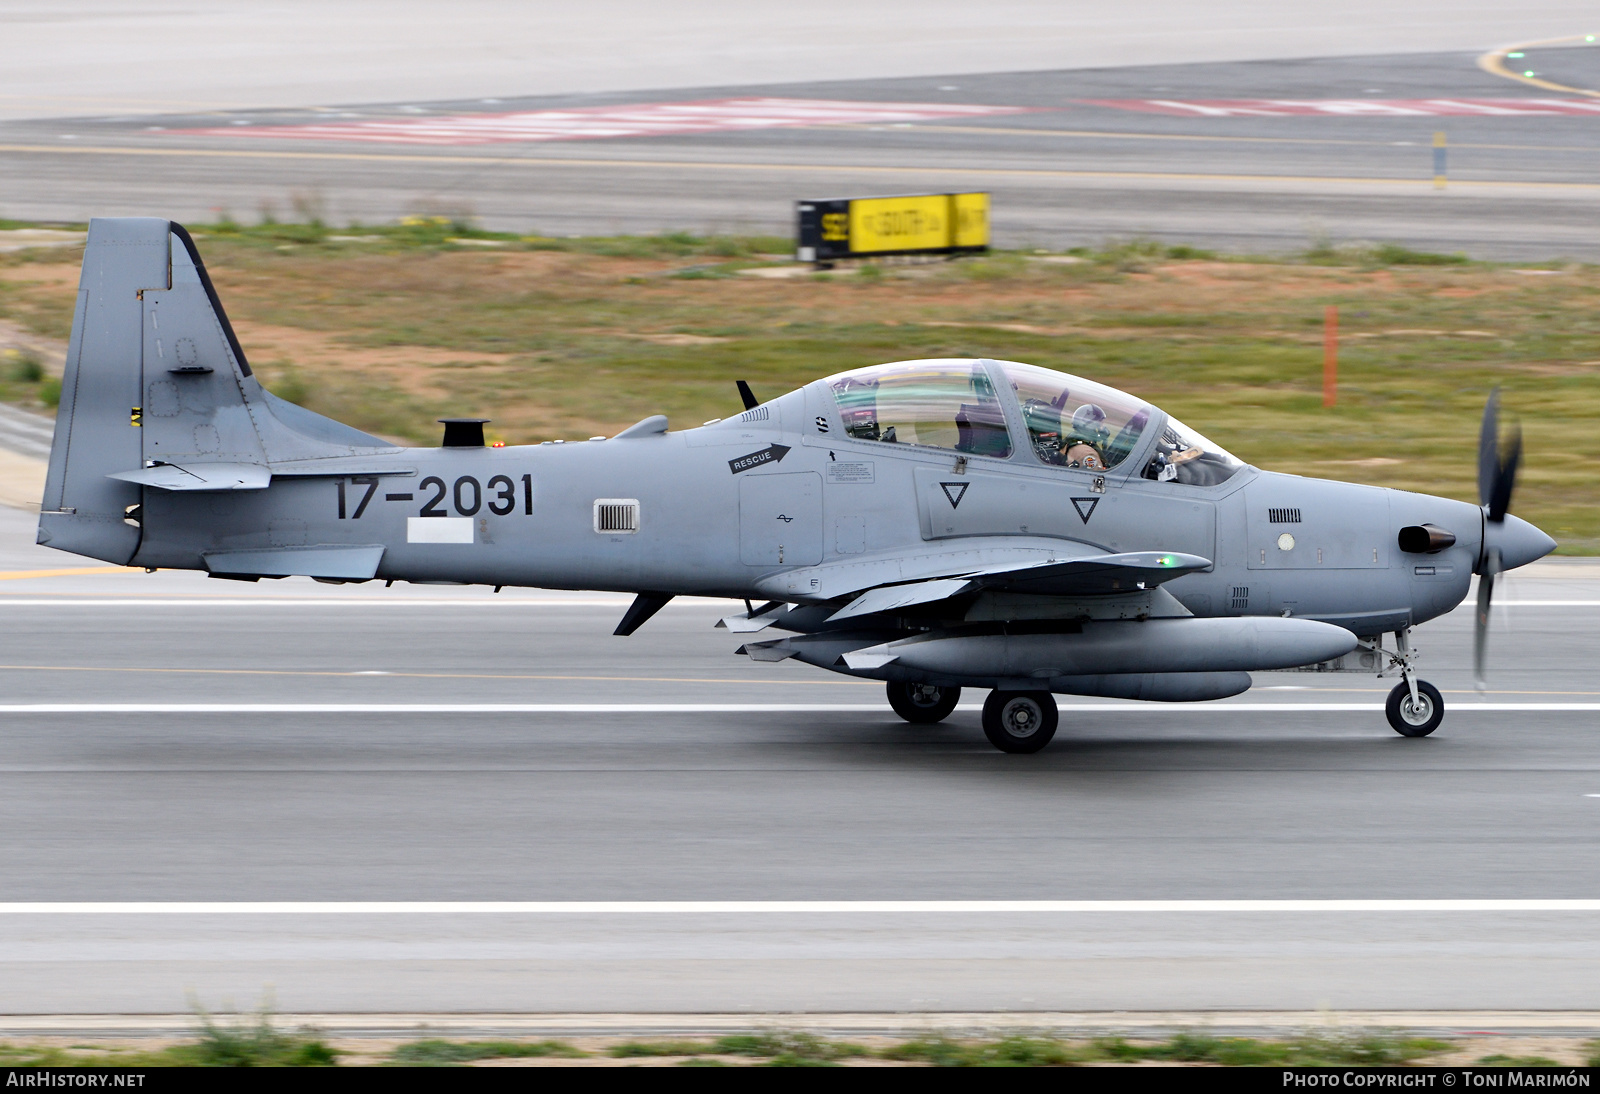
1086	441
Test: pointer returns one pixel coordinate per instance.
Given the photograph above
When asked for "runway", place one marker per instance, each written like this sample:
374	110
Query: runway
1087	160
220	789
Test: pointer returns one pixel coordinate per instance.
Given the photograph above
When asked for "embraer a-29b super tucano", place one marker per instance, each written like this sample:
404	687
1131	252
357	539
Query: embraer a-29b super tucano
937	525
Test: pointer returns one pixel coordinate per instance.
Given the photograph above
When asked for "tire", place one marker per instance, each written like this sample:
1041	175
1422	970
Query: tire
1019	721
922	704
1415	721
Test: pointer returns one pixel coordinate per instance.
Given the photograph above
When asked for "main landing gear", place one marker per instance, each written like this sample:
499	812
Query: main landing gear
922	704
1019	721
1014	721
1415	707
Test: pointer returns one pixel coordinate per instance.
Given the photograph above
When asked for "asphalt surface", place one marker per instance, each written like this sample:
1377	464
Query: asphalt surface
1066	173
143	55
378	771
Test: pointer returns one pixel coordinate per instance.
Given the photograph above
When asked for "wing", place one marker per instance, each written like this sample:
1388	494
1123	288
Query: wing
1095	575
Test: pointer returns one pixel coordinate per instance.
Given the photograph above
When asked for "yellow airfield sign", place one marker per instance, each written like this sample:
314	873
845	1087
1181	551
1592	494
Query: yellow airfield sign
907	224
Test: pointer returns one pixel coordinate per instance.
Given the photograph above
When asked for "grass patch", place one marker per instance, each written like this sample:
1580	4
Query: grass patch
571	338
440	1052
246	1041
781	1049
1310	1049
1502	1060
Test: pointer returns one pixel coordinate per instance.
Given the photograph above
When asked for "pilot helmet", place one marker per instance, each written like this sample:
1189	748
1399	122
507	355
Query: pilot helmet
1089	424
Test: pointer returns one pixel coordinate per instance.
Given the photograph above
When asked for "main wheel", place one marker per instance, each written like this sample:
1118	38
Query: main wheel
1019	721
1415	719
922	704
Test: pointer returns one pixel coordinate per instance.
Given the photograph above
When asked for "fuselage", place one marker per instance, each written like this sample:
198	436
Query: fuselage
738	508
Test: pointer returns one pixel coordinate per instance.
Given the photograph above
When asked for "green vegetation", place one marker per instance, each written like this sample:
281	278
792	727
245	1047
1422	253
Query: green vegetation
1310	1049
253	1042
777	1049
247	1042
389	327
456	1052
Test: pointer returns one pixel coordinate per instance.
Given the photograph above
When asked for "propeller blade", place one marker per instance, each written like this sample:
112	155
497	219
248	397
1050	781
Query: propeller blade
1480	630
1489	448
1500	496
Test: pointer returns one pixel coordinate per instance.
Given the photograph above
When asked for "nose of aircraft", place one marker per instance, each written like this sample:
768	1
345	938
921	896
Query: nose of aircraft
1519	542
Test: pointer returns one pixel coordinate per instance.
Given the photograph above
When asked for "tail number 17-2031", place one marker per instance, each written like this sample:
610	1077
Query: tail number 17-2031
498	495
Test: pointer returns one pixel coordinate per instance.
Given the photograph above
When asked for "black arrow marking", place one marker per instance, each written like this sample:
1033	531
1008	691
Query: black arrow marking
954	492
1085	507
773	453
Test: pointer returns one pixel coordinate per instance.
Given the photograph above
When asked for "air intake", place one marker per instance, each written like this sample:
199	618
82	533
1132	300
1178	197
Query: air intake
616	516
463	432
1283	516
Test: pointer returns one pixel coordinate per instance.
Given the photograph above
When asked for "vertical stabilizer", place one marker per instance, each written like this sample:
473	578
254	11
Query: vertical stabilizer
97	428
155	378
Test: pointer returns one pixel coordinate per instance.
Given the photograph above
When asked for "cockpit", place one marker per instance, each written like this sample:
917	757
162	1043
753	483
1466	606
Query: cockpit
1070	422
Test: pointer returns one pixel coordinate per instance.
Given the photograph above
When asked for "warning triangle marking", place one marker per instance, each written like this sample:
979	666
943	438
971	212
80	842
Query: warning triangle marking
1085	507
954	492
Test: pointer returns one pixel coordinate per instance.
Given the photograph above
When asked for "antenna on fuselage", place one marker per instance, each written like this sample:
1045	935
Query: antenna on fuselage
749	397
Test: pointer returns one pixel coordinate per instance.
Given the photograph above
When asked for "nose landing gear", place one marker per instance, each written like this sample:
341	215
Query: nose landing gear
1415	707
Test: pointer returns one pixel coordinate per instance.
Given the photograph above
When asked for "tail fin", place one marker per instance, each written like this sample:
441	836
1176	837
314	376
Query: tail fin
155	376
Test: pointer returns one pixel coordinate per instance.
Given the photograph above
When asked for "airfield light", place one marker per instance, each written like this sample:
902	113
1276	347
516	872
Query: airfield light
1528	73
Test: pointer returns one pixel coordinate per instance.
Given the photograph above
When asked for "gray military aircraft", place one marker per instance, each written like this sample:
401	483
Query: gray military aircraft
938	525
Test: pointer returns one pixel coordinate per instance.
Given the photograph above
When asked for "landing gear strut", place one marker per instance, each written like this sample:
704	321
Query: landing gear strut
1415	707
1019	721
922	704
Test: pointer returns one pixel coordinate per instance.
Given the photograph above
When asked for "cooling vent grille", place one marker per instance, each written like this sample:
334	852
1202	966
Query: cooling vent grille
1241	597
759	414
616	516
1283	516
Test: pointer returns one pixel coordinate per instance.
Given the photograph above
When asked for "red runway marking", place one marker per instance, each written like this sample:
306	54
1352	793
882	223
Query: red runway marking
603	122
1354	108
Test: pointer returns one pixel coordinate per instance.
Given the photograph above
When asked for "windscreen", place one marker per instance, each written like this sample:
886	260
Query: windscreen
1074	422
932	404
1184	455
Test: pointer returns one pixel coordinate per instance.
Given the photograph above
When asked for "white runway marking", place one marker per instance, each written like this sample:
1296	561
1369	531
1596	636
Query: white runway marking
770	907
200	601
487	600
1346	108
603	122
715	708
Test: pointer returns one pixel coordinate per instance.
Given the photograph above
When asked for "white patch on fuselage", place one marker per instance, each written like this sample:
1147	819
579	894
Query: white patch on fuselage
439	530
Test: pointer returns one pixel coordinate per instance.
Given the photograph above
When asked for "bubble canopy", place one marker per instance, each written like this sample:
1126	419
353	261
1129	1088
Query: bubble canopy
1070	422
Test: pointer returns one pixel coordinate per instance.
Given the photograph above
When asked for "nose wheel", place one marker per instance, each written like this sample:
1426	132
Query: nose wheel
922	704
1019	721
1415	712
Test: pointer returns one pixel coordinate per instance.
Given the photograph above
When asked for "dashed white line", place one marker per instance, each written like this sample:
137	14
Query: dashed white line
782	907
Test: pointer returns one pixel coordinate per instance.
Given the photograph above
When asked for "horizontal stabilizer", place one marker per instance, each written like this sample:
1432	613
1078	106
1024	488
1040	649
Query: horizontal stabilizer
347	563
338	466
888	598
200	476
